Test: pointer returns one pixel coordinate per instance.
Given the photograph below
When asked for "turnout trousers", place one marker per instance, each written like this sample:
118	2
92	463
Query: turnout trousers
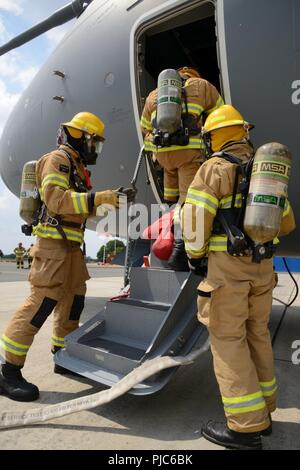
58	283
180	168
234	302
20	261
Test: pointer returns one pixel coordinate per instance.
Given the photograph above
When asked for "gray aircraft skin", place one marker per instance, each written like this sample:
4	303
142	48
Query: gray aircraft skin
111	59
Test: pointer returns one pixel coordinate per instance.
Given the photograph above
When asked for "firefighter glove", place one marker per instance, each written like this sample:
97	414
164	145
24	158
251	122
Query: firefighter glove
198	266
109	197
128	193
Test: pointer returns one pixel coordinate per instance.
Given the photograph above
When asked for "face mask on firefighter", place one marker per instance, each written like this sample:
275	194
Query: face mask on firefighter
91	148
207	144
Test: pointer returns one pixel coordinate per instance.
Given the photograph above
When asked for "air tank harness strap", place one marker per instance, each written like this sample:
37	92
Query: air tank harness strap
230	220
79	184
58	223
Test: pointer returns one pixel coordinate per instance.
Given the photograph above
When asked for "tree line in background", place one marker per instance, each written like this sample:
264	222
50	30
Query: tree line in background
106	253
110	250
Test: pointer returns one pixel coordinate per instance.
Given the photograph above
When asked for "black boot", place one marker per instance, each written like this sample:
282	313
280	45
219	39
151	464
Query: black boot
14	386
220	434
59	369
178	260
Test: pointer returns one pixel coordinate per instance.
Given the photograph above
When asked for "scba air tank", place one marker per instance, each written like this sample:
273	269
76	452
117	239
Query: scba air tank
267	192
168	119
29	195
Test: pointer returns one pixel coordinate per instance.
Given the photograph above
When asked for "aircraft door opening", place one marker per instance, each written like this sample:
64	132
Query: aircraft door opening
178	38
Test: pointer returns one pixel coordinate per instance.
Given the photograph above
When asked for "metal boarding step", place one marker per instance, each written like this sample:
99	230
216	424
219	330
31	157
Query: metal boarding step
158	319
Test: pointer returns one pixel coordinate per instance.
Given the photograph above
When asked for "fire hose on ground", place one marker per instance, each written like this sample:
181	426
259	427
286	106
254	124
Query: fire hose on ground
11	419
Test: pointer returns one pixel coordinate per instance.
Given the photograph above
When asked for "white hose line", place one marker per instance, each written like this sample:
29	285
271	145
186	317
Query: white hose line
144	371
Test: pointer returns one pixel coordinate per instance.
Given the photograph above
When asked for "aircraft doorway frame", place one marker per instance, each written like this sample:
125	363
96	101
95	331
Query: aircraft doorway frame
176	13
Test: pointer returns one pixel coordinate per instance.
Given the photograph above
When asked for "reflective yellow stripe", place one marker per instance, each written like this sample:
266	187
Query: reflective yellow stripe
56	180
219	103
226	202
268	384
193	108
146	124
205	205
79	203
194	143
203	194
14	343
242	399
218	243
245	409
194	253
57	341
171	191
46	231
10	350
244	404
13	347
268	388
202	199
270	392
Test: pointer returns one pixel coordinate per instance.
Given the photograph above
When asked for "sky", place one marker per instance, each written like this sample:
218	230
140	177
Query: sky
17	69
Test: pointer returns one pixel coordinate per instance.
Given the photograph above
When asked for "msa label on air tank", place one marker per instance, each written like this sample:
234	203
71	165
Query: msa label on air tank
169	99
169	82
271	167
266	200
26	194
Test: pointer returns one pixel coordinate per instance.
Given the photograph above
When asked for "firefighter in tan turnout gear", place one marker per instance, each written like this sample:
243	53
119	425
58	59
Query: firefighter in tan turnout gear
235	297
20	252
58	273
181	160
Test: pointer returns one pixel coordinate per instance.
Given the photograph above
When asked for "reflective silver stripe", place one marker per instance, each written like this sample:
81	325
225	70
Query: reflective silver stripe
269	389
17	346
193	144
202	199
60	341
244	404
171	192
40	231
23	350
79	203
55	180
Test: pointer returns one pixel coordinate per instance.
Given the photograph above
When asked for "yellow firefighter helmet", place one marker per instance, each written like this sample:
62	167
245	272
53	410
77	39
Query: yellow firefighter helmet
224	116
85	122
189	72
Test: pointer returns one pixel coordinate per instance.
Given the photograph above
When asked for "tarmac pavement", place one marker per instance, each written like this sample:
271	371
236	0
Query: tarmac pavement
168	420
